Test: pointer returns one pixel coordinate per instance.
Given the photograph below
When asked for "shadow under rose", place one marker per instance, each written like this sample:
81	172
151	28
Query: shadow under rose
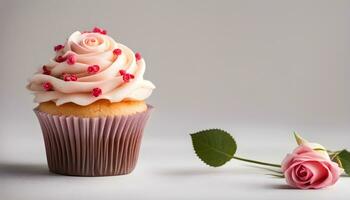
24	170
243	174
280	187
202	171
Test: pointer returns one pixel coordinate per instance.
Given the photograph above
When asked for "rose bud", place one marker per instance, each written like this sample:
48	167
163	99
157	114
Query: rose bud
309	167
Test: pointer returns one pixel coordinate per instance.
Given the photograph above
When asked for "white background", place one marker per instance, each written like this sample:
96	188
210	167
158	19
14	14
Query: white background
259	69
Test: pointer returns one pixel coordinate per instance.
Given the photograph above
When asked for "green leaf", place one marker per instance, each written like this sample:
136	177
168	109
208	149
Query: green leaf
343	159
214	147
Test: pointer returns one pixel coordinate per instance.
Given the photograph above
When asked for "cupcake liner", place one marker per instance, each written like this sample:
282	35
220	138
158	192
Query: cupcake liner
99	146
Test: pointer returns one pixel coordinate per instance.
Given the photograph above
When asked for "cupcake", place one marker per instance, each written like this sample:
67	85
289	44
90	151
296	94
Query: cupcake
91	105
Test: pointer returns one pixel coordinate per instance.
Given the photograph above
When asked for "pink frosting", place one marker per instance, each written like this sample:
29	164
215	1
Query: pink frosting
309	169
84	50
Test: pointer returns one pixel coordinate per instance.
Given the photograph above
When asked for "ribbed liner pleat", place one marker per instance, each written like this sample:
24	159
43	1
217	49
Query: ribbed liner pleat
100	146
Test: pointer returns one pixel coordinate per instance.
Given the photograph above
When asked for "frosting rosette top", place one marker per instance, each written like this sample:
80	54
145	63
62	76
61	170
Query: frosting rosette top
91	66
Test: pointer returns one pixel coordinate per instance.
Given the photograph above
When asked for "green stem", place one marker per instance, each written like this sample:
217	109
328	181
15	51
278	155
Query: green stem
256	162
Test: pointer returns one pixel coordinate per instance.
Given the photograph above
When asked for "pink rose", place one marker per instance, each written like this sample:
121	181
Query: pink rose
309	169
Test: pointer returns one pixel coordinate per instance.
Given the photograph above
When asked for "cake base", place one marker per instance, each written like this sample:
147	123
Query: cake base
100	146
97	109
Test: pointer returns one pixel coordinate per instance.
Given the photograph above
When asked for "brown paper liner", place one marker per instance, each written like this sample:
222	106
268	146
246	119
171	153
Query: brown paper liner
99	146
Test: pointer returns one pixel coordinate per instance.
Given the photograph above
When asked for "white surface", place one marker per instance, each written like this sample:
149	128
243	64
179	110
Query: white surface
167	169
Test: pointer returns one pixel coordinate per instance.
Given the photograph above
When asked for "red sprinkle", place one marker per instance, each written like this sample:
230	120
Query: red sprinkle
122	72
46	71
47	86
66	77
126	76
96	30
73	77
138	56
117	52
96	92
60	59
69	77
99	30
71	59
93	69
58	47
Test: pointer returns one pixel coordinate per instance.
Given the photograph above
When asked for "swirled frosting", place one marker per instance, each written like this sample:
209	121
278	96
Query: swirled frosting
91	66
